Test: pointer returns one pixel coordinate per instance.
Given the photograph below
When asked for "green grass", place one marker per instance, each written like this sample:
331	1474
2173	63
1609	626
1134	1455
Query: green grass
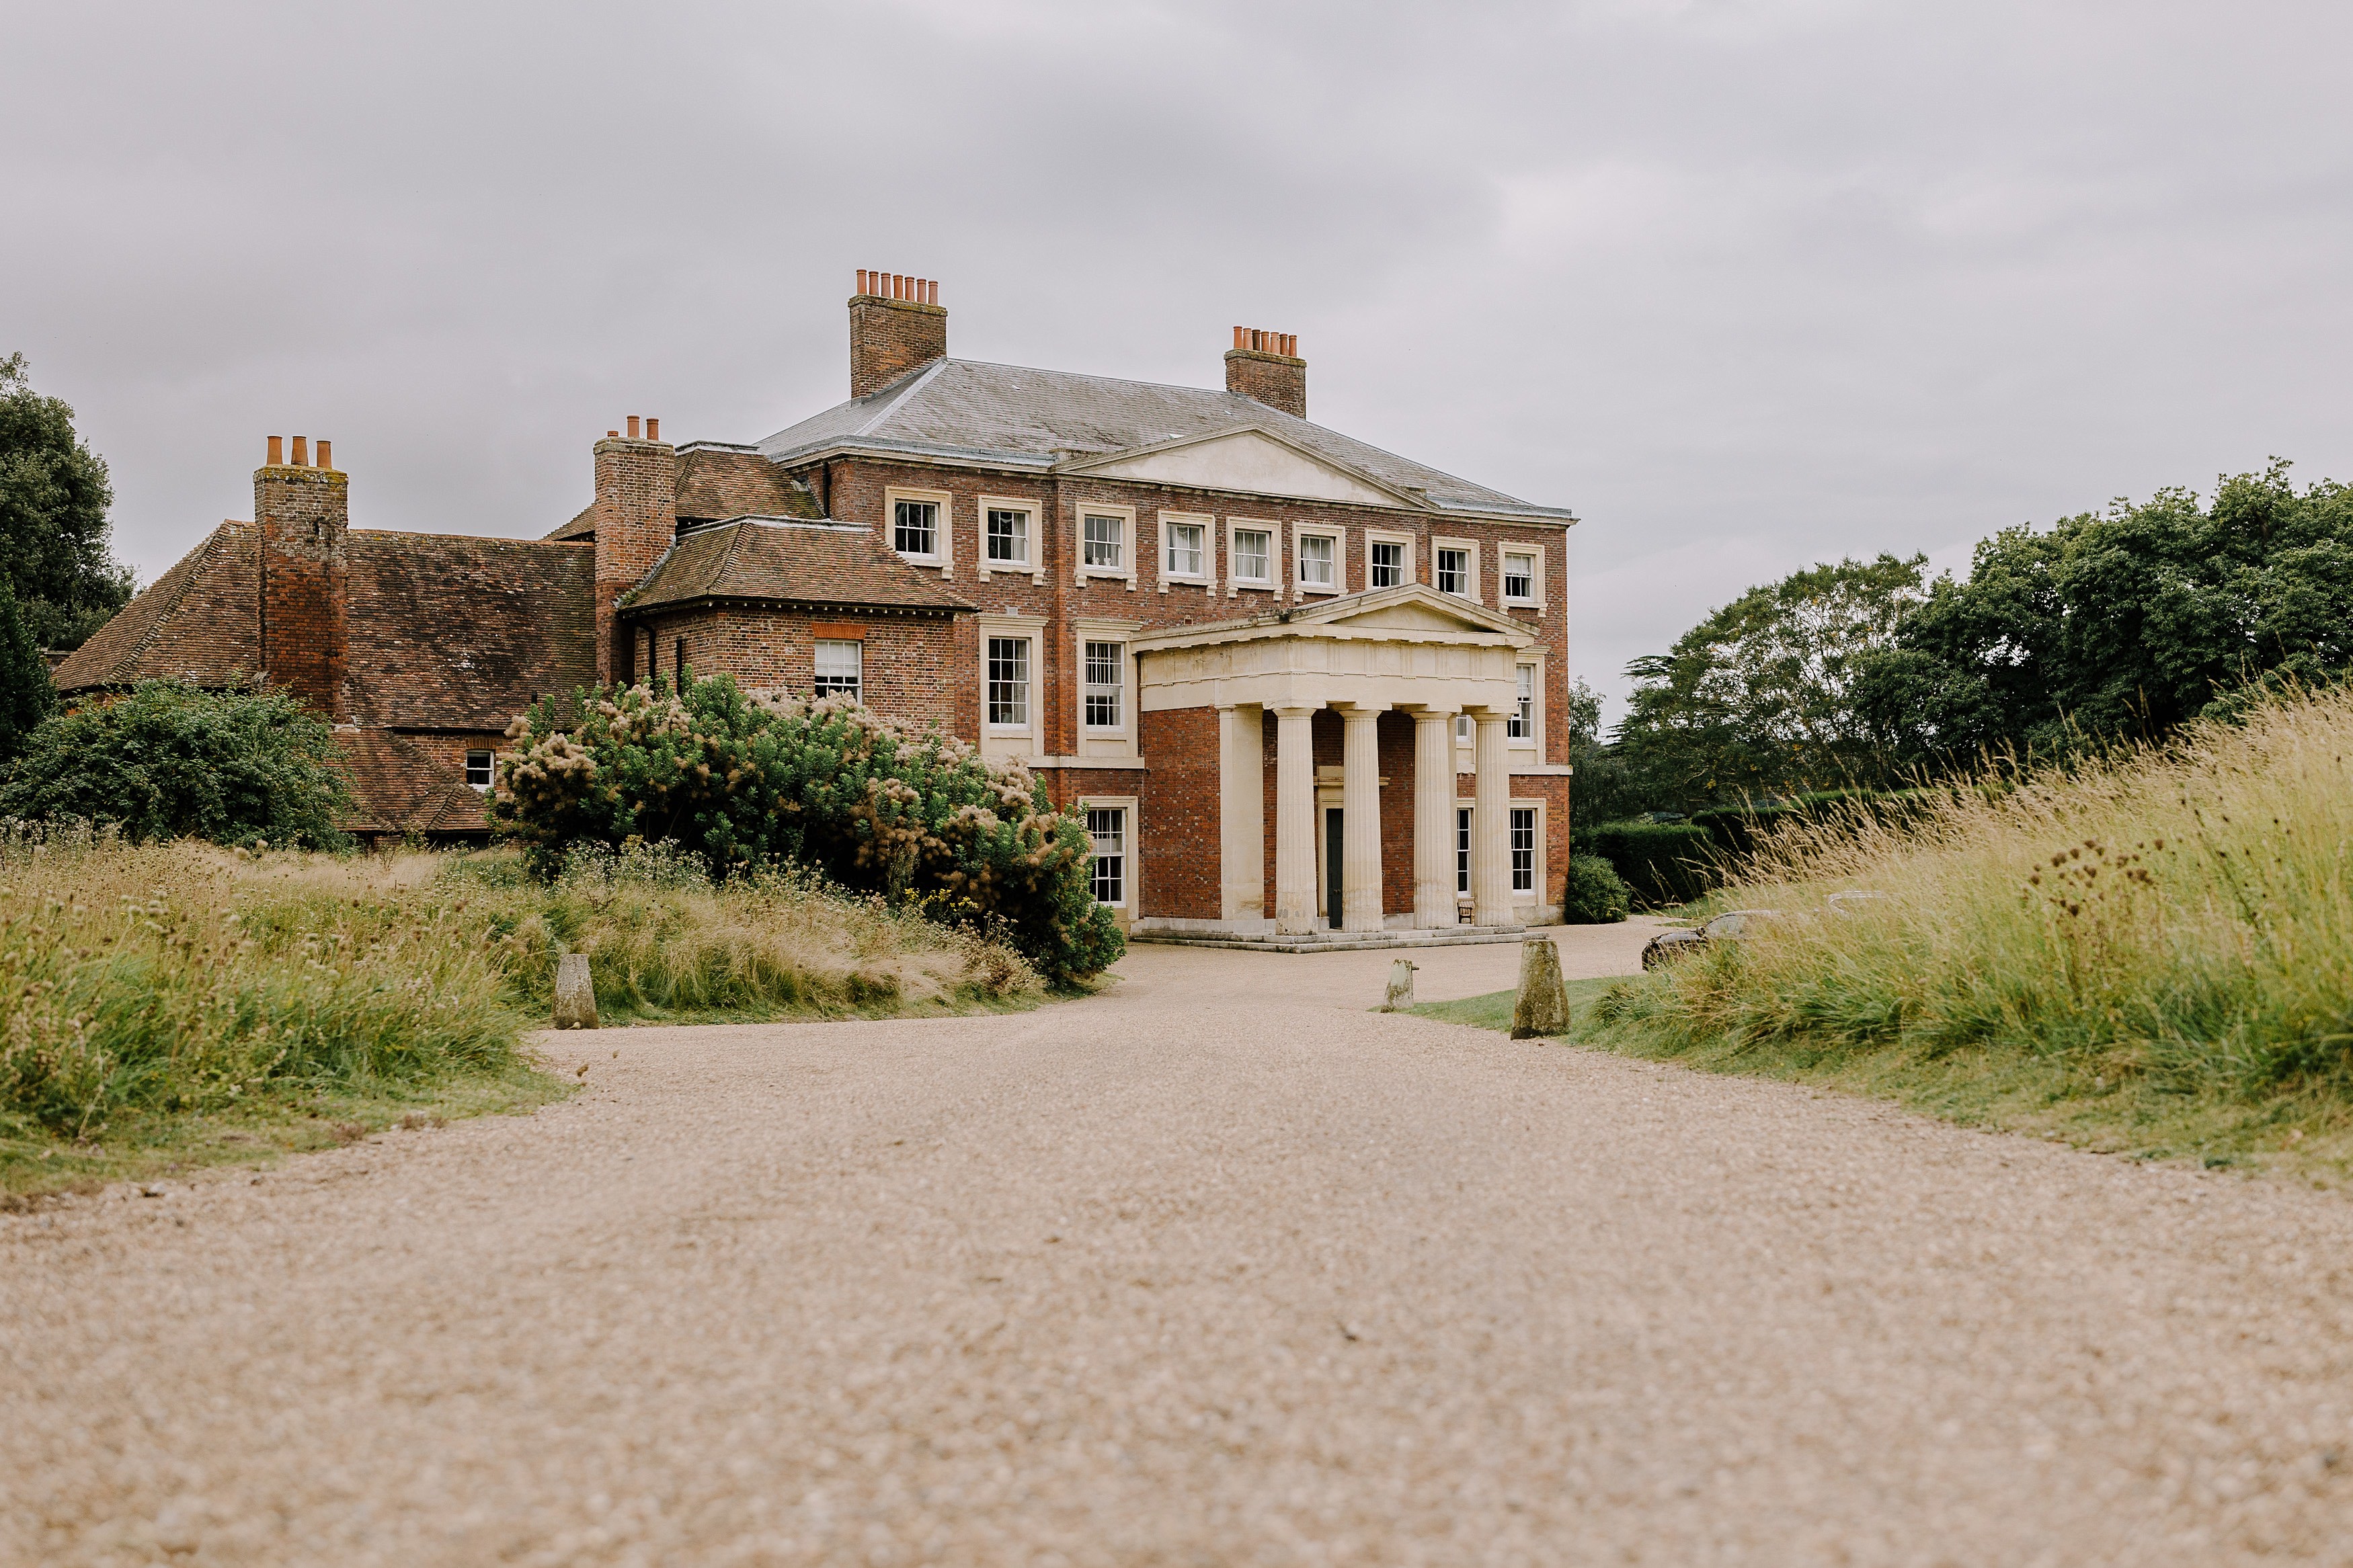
1494	1011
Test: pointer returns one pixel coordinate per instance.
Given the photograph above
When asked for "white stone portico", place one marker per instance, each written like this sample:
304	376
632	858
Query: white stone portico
1431	655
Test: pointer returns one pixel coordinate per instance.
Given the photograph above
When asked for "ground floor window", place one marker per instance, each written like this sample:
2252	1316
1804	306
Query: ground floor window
840	668
1463	849
1523	849
1107	826
1008	682
478	769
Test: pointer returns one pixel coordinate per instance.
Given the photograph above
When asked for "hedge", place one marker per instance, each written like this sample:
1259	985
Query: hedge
1660	862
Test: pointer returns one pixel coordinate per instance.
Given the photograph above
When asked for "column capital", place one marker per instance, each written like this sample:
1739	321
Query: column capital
1361	712
1295	710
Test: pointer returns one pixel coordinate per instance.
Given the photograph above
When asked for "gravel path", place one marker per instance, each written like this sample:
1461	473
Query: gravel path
1216	1268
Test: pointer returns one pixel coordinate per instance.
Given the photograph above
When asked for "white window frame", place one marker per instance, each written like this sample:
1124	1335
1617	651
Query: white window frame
1118	740
1389	536
1467	808
1031	566
1338	535
858	689
1131	850
1535	599
1535	849
1235	528
999	739
489	768
1531	660
1082	573
1477	595
1521	724
942	553
1207	575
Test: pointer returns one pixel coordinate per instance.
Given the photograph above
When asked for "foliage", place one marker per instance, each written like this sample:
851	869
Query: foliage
2120	626
1740	830
53	529
1756	700
28	696
170	761
1661	863
2168	925
1597	895
752	779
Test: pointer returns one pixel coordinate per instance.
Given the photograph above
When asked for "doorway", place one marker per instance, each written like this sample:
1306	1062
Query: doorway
1334	837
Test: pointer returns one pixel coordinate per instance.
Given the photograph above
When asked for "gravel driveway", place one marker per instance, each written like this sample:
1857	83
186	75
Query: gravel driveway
1216	1268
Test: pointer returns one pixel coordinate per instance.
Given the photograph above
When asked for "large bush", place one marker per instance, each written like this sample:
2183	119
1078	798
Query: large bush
1597	895
748	778
1661	862
169	760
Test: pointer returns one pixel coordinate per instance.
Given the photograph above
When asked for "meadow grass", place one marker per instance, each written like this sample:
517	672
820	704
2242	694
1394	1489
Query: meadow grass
2151	953
170	1006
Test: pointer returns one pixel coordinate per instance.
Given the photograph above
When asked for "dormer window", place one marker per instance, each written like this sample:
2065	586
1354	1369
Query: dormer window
479	766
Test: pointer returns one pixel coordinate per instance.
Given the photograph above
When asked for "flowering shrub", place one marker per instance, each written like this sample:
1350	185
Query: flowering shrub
752	778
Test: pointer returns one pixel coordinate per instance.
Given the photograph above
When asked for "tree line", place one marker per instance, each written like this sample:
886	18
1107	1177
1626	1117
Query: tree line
2106	627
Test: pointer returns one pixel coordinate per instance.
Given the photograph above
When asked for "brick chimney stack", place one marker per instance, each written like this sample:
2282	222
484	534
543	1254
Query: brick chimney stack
303	515
637	519
896	325
1266	366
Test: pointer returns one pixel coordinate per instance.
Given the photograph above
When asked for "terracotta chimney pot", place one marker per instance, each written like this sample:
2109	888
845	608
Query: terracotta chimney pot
633	427
326	453
653	429
302	451
277	451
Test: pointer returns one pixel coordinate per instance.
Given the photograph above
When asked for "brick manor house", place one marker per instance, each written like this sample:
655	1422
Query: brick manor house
1295	682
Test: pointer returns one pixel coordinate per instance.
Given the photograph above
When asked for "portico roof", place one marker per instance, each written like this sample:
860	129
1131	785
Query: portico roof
1413	613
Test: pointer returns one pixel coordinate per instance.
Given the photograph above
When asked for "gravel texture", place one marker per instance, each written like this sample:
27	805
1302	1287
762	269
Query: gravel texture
1218	1267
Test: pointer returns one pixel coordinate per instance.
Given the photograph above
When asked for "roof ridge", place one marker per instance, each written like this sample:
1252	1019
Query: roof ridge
470	537
909	391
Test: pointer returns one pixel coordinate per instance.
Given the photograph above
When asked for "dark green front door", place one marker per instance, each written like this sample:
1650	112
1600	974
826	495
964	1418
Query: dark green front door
1332	841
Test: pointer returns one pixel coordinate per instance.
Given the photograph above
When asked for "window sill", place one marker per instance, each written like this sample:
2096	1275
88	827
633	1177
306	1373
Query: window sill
1317	588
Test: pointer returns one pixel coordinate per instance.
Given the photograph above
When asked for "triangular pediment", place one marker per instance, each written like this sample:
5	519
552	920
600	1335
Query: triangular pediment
1414	607
1247	460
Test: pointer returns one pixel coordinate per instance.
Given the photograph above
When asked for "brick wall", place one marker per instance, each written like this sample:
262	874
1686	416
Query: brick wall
911	664
1278	381
1180	831
888	338
303	515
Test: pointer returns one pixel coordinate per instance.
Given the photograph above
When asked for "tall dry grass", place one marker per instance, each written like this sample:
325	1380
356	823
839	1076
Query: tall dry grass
184	979
2178	920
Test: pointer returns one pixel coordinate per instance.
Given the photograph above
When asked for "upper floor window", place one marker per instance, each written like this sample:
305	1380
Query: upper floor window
1388	564
1103	690
478	769
1454	572
1008	537
1315	554
1008	682
1184	549
1253	552
1106	541
1519	578
1523	722
840	669
915	527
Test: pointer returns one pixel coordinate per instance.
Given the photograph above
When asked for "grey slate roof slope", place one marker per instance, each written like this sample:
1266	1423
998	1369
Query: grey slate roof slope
967	408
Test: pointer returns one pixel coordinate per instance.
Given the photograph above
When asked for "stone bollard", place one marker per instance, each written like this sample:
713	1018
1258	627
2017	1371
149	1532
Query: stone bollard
1400	987
576	998
1542	1006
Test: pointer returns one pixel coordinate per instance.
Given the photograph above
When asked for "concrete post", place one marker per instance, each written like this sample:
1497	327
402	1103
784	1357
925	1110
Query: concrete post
1294	821
1491	822
1541	1005
575	997
1360	820
1241	812
1433	819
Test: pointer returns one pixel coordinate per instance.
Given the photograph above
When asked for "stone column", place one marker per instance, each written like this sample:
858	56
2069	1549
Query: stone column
1360	819
1491	824
1433	818
1294	821
1241	812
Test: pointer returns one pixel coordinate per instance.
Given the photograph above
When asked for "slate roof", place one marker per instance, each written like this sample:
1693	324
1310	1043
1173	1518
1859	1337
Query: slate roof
817	563
1035	418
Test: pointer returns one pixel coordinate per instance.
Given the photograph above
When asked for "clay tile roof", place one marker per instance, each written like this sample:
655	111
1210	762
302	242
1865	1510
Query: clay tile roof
721	481
400	786
803	563
199	622
583	527
454	631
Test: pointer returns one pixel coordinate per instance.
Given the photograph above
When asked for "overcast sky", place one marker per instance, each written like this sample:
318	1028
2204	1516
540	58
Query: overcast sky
1747	285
